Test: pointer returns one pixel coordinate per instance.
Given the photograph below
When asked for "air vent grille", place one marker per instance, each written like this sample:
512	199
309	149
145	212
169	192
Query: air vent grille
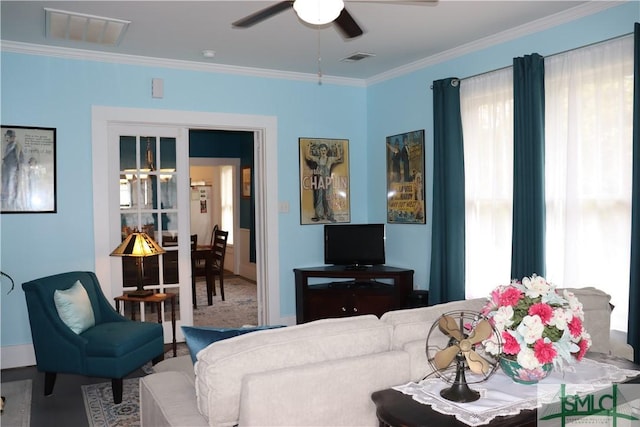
61	24
358	56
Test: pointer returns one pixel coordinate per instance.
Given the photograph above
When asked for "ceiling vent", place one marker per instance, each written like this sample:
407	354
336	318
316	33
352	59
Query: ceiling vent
358	56
64	25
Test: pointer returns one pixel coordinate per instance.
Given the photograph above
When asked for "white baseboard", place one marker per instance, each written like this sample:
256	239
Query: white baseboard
17	356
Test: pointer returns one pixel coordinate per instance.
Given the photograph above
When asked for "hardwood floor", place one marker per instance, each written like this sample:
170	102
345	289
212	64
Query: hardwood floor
65	406
62	408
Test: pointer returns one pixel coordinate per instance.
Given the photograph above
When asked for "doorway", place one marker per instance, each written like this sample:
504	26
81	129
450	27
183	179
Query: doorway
106	194
214	202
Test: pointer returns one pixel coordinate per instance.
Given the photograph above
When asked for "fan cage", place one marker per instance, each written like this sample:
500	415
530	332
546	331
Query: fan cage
470	320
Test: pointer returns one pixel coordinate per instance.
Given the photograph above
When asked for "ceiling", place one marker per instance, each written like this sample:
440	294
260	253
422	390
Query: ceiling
396	32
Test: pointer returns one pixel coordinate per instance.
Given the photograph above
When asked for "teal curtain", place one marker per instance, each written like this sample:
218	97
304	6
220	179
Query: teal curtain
446	282
528	239
633	336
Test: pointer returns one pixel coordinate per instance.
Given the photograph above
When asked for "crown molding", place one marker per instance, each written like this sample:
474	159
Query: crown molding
92	55
573	14
529	28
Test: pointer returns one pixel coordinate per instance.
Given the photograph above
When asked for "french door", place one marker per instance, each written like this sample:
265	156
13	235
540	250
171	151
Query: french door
109	124
147	181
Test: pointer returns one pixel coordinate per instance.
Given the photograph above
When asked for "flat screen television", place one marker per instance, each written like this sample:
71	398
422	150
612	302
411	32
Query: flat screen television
354	245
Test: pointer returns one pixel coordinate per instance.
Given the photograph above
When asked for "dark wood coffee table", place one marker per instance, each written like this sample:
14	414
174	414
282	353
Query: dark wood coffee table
395	409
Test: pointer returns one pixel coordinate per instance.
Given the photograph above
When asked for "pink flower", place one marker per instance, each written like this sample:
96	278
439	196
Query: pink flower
575	326
510	345
510	296
544	351
584	346
544	311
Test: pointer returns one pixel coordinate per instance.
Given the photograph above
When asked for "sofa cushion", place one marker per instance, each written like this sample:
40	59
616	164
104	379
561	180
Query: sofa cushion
199	337
414	324
331	393
179	364
597	316
222	366
169	399
74	307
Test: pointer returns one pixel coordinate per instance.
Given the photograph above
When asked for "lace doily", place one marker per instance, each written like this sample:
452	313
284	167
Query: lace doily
499	395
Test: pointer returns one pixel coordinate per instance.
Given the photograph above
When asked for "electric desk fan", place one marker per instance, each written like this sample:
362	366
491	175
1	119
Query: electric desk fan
464	332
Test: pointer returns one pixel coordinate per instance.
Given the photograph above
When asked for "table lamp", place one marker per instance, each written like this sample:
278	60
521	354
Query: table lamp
138	245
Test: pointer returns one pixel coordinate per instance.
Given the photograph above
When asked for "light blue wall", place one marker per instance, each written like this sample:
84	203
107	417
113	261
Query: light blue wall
54	92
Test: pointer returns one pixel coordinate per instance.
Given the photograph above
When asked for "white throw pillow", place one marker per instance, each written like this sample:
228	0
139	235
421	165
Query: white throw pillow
74	308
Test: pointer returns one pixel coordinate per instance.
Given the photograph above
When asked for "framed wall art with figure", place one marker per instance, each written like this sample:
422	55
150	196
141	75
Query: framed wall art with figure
28	170
324	180
405	178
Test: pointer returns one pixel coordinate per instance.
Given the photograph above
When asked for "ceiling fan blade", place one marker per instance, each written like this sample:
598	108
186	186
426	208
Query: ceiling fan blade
263	14
477	363
347	25
404	2
443	358
449	325
481	332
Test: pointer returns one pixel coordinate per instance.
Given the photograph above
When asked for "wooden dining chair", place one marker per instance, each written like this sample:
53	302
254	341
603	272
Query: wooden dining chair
219	248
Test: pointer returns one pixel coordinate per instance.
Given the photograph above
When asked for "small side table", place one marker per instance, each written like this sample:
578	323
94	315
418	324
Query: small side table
154	299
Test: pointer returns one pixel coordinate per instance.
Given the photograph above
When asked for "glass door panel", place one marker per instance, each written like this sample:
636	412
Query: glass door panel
149	203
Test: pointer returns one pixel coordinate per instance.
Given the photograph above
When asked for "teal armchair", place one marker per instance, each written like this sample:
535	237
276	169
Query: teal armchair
113	348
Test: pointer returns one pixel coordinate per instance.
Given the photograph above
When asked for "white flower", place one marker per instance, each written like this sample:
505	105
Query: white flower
491	344
531	329
561	318
527	359
576	306
503	317
535	286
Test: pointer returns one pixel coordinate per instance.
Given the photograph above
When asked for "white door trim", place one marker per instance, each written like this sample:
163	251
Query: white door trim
265	157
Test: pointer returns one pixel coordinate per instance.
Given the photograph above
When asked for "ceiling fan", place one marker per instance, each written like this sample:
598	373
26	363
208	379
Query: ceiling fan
315	12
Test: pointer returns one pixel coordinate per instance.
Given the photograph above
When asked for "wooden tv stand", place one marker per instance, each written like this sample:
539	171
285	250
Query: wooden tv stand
358	291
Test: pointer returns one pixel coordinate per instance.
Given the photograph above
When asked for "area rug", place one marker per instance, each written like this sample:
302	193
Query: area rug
239	308
17	406
102	412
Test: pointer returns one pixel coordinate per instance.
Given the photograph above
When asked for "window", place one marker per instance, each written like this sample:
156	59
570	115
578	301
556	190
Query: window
588	161
589	115
226	201
486	104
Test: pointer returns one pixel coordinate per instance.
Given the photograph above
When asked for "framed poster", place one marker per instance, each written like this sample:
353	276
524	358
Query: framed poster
324	180
246	182
405	183
28	170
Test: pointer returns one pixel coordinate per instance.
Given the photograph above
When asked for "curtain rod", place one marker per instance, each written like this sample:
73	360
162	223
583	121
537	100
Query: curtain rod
456	81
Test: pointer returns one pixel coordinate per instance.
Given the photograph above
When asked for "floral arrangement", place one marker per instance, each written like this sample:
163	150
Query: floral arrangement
537	324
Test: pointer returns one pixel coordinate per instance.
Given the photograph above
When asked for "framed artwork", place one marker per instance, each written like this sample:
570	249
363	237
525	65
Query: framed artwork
28	170
324	180
405	183
246	182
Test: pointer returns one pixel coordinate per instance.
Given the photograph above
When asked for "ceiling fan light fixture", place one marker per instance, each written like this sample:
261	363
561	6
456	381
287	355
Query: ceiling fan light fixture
318	12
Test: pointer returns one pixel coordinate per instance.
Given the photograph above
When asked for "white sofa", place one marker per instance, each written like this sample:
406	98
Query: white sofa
320	373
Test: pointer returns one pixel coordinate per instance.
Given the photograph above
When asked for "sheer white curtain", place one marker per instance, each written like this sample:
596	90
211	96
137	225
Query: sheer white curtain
486	104
588	169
